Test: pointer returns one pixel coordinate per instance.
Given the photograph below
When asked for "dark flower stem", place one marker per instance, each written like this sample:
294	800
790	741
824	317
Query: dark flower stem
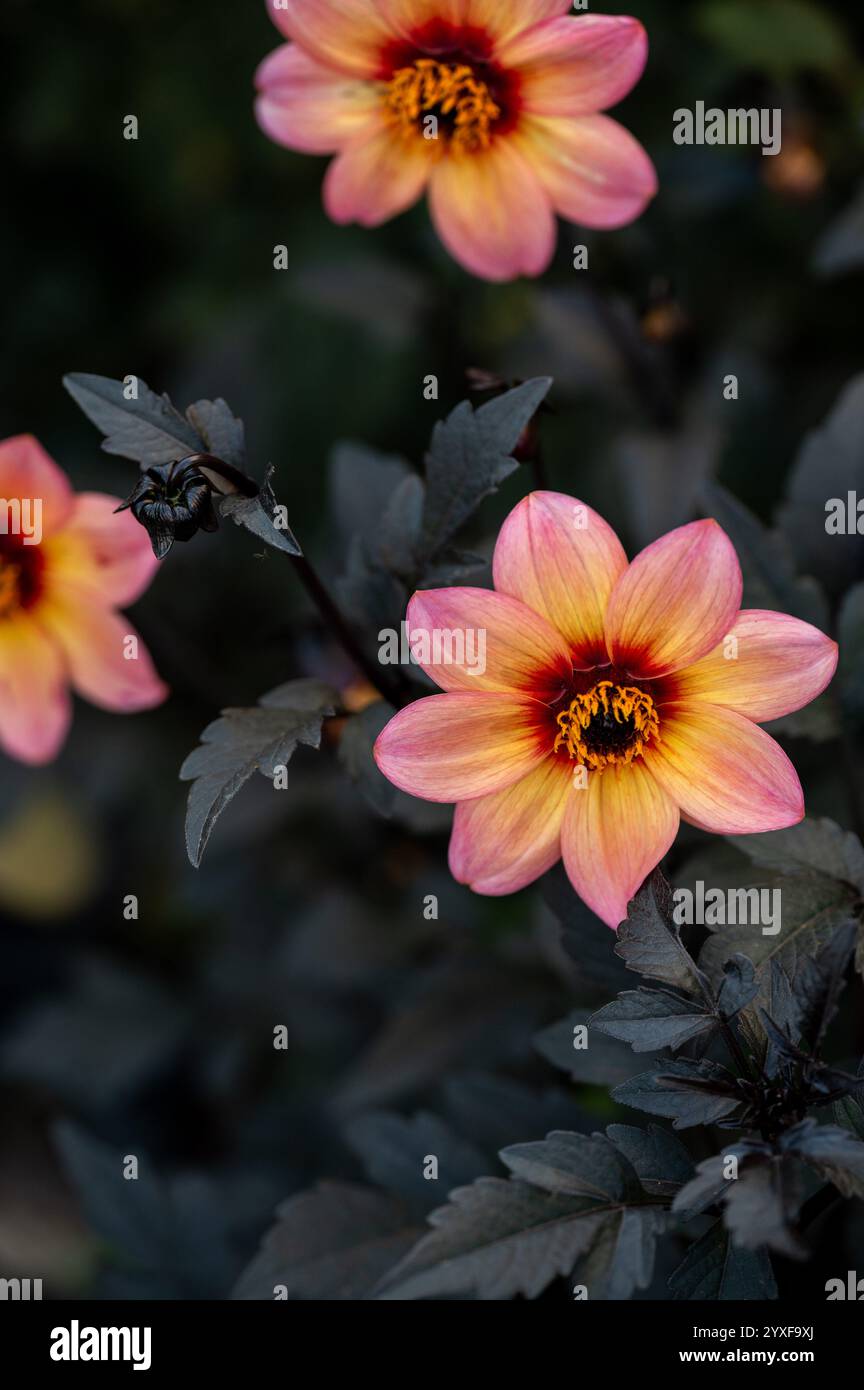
396	692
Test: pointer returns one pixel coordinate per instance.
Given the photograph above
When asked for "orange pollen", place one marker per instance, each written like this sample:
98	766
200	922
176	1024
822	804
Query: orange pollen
609	724
10	588
443	102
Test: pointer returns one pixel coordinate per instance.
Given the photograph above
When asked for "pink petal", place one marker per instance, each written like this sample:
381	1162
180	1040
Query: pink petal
94	642
106	553
27	472
616	830
491	212
455	747
309	107
504	18
348	35
502	842
35	709
577	66
593	171
777	664
480	640
376	176
726	774
562	560
677	600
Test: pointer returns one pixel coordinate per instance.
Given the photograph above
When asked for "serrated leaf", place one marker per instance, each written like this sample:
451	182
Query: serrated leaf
498	1239
494	1240
716	1270
650	943
685	1092
832	1151
167	1236
659	1157
245	741
770	579
333	1243
760	1194
819	983
813	907
815	846
650	1020
221	431
258	515
604	1061
148	430
470	454
575	1165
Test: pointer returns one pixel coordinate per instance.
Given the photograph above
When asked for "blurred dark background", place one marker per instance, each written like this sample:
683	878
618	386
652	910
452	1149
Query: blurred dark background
155	257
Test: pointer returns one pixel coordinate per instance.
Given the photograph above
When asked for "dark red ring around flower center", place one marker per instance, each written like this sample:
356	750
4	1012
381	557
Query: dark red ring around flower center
458	45
21	575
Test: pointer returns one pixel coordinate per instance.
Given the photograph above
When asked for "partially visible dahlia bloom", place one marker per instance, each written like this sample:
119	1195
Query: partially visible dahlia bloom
615	699
491	105
59	588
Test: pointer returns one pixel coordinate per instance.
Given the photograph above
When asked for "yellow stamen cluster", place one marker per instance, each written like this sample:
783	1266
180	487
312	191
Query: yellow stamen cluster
609	724
461	105
10	589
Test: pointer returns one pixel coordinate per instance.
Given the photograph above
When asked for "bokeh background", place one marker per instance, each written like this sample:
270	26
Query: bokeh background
155	257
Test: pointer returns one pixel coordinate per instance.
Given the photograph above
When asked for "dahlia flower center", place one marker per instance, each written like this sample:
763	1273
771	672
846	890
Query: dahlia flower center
606	725
20	569
443	101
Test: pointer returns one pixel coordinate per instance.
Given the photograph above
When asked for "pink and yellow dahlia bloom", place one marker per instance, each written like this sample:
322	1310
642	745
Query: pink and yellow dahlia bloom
492	106
59	588
616	698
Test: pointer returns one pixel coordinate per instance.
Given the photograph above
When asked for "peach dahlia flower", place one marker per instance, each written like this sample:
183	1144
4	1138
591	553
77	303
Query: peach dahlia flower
615	699
490	105
58	625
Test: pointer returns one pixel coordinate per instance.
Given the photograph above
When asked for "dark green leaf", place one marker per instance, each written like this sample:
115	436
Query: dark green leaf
649	941
815	846
828	468
739	987
259	515
819	983
603	1061
585	938
835	1154
470	455
770	580
148	430
575	1165
331	1244
653	1019
715	1269
221	431
245	741
660	1159
498	1239
685	1092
